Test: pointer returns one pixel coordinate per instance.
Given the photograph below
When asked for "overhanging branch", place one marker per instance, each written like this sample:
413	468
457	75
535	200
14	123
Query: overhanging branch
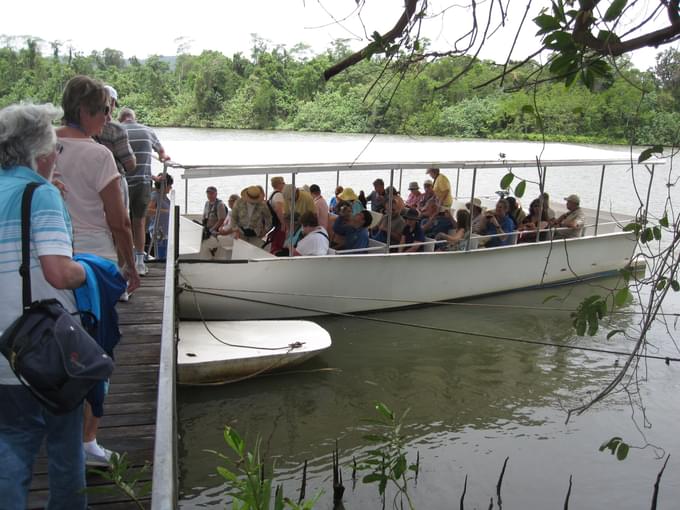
388	37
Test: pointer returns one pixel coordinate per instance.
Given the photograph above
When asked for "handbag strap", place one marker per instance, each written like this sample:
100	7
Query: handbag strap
25	267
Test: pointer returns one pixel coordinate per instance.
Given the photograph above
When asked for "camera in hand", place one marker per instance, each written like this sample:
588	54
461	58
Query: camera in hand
205	234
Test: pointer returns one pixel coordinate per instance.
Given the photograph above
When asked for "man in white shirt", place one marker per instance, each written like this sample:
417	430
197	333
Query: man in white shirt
315	240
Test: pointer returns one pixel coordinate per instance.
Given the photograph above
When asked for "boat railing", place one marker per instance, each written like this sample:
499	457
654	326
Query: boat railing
164	485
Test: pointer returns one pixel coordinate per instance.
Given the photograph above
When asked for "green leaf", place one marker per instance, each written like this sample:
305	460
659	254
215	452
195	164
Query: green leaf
400	466
632	227
661	284
615	10
373	477
610	37
649	234
507	180
546	23
647	153
384	410
559	41
625	274
657	233
588	79
614	332
520	188
622	451
664	221
675	285
622	296
563	63
581	327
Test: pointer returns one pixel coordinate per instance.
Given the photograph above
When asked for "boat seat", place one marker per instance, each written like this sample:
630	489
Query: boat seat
372	243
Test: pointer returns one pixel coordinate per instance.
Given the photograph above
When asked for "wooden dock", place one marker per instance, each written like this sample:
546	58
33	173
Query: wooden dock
129	423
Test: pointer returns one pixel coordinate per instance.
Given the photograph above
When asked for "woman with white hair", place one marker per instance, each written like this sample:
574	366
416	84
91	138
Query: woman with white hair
28	152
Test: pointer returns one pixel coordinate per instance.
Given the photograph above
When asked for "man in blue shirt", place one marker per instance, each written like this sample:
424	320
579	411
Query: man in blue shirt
354	229
498	224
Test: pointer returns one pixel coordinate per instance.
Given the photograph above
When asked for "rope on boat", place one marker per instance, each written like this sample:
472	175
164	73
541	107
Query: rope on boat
666	359
410	302
277	361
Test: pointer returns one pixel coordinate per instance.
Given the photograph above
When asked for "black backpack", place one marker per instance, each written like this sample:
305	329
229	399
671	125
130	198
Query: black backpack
275	217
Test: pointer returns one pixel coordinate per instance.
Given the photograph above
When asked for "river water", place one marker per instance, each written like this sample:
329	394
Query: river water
472	400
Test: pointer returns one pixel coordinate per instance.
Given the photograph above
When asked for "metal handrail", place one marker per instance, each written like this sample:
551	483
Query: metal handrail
165	486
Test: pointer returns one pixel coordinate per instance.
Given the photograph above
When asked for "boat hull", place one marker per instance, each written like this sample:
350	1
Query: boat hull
276	288
246	349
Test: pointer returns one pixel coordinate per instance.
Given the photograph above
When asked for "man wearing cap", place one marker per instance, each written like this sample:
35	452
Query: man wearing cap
441	187
377	196
413	196
572	221
214	213
412	233
143	141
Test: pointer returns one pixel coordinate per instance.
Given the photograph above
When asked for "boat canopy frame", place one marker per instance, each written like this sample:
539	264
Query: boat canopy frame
208	171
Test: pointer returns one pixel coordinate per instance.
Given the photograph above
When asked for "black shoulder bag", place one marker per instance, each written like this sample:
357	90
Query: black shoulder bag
47	348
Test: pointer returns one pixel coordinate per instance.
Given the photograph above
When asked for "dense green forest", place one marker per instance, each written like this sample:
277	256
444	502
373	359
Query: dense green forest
280	88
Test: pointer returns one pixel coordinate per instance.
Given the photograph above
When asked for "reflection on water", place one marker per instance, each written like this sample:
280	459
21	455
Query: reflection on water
473	401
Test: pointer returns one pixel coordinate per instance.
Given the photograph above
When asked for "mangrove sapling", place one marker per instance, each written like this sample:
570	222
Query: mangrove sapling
124	478
387	464
250	488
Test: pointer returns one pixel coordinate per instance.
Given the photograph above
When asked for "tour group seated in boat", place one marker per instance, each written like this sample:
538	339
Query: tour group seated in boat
246	282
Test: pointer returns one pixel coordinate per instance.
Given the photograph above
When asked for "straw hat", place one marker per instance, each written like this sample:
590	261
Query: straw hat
347	195
252	194
476	202
412	186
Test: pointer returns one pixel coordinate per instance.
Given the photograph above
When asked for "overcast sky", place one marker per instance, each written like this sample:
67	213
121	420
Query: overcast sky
145	27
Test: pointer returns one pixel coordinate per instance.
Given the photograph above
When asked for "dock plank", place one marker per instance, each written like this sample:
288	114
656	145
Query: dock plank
130	408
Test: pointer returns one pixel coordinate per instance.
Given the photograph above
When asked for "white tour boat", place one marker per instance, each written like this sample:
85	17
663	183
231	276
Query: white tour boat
248	283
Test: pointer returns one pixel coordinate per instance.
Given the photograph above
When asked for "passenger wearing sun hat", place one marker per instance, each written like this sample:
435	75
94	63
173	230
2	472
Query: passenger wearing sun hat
412	232
413	196
570	224
250	218
349	197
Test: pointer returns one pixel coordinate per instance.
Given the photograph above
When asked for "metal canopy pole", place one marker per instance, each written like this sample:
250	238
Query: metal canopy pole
186	196
599	200
401	174
337	178
472	208
457	180
291	226
389	211
266	185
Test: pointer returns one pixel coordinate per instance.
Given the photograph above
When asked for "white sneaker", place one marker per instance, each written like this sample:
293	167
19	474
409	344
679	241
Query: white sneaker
141	268
102	459
125	297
